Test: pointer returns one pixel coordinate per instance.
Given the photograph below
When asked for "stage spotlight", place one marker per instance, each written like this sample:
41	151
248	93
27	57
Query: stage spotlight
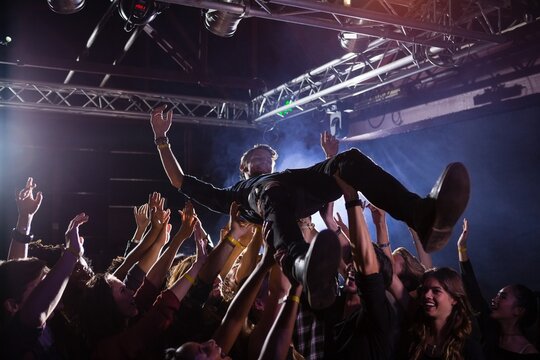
222	23
6	40
139	12
66	6
353	42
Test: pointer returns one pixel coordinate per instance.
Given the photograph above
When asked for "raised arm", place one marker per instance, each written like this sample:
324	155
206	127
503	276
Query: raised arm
219	256
27	206
161	123
279	338
462	242
232	323
142	220
423	256
362	248
157	219
181	287
383	239
159	270
472	288
329	144
43	299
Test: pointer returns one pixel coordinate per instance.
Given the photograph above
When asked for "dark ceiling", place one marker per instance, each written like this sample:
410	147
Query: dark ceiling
261	54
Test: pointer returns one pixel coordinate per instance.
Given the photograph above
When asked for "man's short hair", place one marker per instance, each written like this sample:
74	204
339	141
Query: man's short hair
245	157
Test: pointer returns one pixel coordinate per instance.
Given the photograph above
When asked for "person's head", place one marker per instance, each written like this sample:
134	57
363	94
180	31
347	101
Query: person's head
258	160
106	306
17	280
208	350
442	301
407	268
515	302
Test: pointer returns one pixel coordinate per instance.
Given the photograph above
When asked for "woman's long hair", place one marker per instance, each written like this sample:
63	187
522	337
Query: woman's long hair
458	325
413	270
99	314
526	299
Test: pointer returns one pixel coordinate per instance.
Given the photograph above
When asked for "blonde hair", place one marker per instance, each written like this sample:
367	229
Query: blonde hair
179	269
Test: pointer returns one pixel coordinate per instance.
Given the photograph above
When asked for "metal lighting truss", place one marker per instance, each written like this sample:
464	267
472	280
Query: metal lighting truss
382	64
116	103
407	38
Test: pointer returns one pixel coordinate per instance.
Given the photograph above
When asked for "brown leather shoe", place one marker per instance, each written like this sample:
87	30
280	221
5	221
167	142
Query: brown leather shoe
451	195
317	269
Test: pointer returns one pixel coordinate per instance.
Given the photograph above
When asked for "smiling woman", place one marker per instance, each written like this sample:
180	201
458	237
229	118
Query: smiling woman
443	325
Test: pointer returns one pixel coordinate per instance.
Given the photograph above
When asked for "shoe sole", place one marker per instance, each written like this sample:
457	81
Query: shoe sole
322	262
451	192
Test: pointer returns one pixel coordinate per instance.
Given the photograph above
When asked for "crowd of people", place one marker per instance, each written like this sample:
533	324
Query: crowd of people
273	286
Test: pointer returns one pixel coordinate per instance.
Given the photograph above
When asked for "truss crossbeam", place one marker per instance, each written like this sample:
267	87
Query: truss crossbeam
116	103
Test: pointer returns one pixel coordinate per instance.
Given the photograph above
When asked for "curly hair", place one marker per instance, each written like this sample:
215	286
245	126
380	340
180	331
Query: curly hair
458	324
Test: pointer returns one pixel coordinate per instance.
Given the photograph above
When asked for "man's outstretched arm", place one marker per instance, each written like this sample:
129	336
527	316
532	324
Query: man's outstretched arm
161	123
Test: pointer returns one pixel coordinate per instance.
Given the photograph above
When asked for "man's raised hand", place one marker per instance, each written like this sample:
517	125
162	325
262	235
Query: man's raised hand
161	122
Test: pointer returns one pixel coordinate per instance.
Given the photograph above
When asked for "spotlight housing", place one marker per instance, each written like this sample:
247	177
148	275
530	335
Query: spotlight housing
139	12
339	121
66	7
222	23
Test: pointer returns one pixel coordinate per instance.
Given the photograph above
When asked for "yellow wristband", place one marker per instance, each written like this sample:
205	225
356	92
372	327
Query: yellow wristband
189	278
233	241
164	146
462	249
294	298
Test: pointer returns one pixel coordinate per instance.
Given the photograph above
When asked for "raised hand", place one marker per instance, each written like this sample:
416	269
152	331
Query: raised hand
189	221
378	215
74	242
237	226
341	224
161	122
329	144
27	203
156	201
462	241
159	215
269	256
200	250
142	218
